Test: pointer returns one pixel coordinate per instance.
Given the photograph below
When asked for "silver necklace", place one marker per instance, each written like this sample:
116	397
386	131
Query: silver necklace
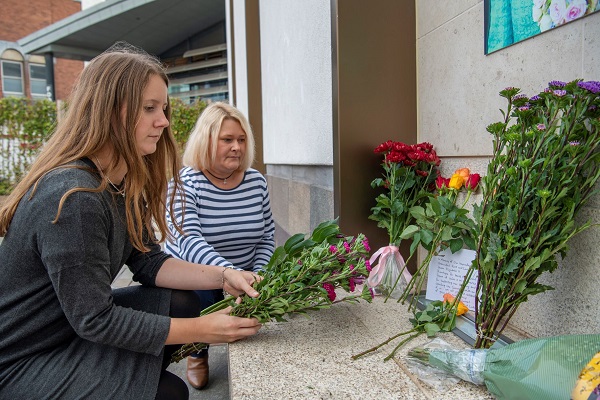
119	191
216	177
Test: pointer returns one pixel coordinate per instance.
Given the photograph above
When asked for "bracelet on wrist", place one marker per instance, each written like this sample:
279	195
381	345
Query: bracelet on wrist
223	278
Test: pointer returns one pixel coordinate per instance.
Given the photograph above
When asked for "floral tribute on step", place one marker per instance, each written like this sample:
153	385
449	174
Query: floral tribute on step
302	275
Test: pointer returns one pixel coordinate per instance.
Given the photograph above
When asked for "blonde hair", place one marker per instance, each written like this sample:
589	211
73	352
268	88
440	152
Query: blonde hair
113	80
201	148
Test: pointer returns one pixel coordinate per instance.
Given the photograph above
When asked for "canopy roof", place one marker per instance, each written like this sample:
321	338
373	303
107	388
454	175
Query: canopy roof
154	25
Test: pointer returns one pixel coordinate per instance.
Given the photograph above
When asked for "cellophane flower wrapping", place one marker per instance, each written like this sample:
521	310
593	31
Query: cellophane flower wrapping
543	368
440	366
388	276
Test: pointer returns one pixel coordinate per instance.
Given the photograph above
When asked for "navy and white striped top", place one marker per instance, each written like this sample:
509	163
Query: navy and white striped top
226	227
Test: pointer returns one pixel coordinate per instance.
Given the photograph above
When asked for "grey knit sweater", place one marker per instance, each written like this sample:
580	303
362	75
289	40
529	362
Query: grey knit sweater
55	277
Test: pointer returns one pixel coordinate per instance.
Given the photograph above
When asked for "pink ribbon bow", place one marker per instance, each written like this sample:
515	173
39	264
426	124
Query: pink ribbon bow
378	270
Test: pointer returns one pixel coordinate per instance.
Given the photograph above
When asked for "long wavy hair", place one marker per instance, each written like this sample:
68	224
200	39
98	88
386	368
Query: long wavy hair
112	82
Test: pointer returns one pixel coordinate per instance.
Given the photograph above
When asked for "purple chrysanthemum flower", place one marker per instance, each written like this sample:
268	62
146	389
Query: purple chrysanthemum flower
574	143
299	262
519	96
368	265
333	249
372	293
559	93
534	98
524	108
558	84
351	284
541	127
592	86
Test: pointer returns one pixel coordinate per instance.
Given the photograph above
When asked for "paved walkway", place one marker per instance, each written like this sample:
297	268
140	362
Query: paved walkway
218	386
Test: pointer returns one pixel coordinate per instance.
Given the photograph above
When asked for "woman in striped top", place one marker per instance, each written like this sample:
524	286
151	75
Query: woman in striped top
225	209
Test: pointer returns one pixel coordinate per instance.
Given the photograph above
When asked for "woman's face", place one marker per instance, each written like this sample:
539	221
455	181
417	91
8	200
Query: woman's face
231	146
152	119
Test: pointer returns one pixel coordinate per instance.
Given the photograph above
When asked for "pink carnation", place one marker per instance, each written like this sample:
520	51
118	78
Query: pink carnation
347	247
330	291
366	244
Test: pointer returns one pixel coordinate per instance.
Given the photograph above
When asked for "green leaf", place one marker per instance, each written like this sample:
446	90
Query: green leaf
292	241
325	230
426	236
424	317
431	329
456	245
513	264
469	242
409	232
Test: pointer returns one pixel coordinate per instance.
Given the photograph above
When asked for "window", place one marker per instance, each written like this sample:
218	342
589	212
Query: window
37	80
12	78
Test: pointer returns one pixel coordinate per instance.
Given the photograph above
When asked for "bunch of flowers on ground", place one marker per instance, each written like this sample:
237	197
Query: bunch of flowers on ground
437	225
441	224
551	368
409	174
301	276
545	167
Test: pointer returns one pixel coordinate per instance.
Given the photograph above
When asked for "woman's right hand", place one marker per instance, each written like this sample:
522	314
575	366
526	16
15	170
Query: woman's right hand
220	327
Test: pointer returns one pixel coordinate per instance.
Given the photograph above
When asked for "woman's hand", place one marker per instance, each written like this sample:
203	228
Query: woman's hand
220	327
237	282
216	327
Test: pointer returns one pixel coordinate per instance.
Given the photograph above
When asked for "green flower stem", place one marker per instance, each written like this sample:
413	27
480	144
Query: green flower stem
402	343
372	349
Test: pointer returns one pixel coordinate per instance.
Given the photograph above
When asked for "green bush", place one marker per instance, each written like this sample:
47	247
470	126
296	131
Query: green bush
26	124
183	119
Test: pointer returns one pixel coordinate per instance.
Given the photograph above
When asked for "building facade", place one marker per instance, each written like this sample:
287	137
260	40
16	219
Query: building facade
327	87
24	75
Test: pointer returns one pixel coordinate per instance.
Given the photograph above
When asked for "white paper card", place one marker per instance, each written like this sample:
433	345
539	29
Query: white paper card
447	272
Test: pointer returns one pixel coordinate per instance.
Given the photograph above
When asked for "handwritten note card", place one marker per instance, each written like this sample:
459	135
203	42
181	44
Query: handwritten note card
447	271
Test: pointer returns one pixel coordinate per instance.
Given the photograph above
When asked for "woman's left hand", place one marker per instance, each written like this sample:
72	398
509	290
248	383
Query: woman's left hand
237	282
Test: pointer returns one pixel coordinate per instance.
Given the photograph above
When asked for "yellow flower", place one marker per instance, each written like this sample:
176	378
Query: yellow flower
456	181
461	309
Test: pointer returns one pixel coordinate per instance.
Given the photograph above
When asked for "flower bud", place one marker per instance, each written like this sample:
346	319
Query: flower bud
464	172
456	182
442	183
472	182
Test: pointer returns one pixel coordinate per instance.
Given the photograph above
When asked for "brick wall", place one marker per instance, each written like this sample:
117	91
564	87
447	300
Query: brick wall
20	18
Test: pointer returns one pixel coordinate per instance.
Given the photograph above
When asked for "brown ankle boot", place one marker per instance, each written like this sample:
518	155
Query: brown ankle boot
197	371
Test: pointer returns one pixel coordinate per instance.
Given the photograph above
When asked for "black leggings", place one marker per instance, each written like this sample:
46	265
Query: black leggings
184	304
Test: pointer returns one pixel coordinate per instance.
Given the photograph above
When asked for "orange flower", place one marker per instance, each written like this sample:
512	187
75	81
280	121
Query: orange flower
456	182
464	172
461	309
